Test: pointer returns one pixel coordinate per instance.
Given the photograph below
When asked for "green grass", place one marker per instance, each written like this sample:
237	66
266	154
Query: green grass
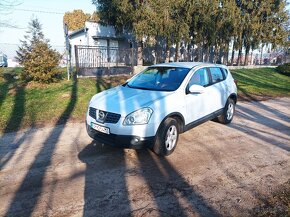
25	105
261	83
29	105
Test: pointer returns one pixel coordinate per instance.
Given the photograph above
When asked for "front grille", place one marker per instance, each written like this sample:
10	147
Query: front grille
92	112
110	117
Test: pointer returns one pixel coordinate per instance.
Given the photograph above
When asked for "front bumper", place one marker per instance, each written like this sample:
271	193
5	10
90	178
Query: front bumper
126	141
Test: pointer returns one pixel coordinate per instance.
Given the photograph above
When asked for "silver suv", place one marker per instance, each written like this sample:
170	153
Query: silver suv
156	105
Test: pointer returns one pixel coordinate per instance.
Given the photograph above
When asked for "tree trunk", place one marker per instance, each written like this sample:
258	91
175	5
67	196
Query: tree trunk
247	55
167	54
252	58
176	58
189	52
239	57
202	51
140	54
157	56
226	54
155	53
221	55
233	52
196	54
206	54
199	54
211	54
261	58
233	56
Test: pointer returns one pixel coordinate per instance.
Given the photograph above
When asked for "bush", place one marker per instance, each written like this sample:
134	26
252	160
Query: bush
41	64
39	60
284	69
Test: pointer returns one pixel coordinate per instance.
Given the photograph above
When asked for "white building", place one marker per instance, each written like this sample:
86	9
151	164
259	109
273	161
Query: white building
103	37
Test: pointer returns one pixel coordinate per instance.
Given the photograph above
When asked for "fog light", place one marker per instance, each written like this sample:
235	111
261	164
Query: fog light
135	141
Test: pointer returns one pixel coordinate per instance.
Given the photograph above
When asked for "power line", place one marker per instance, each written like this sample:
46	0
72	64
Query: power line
9	26
38	11
12	44
8	43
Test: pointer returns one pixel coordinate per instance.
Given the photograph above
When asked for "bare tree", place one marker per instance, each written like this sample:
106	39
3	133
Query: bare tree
6	7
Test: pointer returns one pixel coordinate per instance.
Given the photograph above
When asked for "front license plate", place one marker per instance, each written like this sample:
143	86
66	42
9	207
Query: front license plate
101	129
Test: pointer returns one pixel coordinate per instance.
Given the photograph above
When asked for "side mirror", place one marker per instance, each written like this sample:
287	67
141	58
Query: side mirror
196	89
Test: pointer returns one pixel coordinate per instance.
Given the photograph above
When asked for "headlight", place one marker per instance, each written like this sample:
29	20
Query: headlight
141	116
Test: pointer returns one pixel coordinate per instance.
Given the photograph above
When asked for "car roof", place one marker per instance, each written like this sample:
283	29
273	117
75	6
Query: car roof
188	65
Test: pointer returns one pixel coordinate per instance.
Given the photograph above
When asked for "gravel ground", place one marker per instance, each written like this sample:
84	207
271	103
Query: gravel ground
216	170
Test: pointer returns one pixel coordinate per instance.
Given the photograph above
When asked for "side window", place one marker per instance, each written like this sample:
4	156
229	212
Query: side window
216	74
200	77
225	71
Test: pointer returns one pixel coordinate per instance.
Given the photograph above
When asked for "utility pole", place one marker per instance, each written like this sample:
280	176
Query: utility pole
68	51
261	58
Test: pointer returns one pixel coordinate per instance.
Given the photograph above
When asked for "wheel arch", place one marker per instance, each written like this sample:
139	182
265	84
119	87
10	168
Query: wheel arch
234	97
177	116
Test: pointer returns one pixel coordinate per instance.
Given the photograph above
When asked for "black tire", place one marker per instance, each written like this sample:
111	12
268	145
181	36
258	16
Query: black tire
166	137
228	112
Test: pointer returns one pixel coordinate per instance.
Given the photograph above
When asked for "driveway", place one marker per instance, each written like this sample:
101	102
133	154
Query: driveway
215	169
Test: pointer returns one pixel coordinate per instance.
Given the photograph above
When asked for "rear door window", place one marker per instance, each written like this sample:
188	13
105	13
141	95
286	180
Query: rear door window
225	71
200	77
216	74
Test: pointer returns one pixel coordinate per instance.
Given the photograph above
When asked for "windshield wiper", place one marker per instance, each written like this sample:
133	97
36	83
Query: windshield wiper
130	86
125	84
140	88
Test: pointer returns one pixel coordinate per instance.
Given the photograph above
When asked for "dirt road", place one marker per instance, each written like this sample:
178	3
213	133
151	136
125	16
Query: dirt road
215	169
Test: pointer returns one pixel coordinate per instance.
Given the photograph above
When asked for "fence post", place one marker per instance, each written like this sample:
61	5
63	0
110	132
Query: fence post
132	60
68	50
77	59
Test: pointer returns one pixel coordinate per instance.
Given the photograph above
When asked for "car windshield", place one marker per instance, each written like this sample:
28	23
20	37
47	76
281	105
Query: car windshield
159	78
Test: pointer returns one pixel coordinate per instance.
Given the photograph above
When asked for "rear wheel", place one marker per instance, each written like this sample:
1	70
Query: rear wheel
167	137
228	112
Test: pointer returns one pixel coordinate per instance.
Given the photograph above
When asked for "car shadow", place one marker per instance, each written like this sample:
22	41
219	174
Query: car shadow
106	187
105	192
170	188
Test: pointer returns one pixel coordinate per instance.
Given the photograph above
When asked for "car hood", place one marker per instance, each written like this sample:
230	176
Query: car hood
124	100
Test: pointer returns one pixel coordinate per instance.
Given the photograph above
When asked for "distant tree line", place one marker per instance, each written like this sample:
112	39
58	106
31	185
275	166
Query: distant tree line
207	25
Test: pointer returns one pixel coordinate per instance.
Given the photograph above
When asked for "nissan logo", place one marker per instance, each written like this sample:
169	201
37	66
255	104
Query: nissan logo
101	116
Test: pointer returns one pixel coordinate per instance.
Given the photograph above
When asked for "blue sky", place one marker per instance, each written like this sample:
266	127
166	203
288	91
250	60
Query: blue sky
51	22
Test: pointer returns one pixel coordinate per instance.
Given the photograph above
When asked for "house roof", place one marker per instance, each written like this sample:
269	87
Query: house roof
78	31
108	37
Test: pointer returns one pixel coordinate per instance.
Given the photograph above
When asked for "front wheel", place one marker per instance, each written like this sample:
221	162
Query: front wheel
167	137
228	113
